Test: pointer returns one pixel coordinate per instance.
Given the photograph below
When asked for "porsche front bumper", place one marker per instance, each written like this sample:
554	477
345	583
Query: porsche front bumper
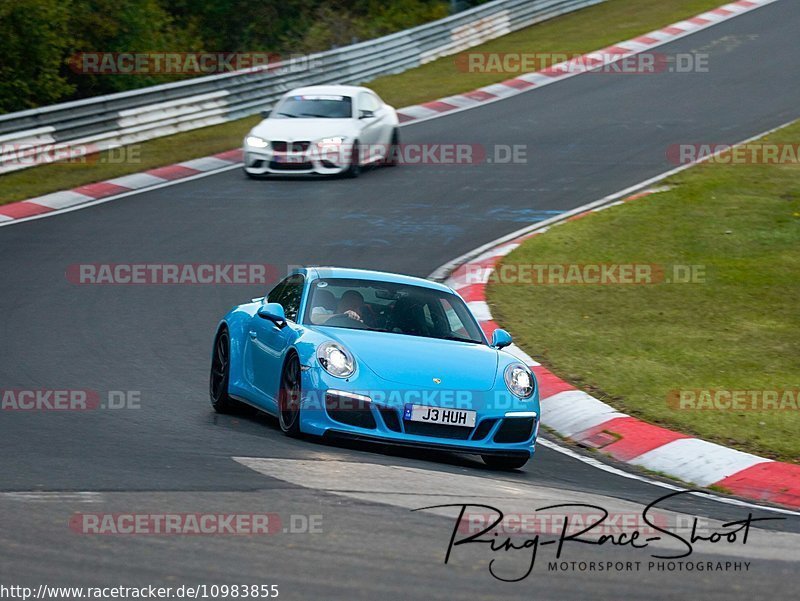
498	429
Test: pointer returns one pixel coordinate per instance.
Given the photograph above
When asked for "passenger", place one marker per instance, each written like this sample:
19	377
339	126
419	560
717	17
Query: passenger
324	306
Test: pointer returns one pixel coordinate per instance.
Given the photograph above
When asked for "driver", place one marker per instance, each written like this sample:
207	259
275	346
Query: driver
350	305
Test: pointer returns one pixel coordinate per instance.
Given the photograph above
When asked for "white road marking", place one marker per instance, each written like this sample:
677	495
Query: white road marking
118	196
61	200
414	488
574	411
52	497
459	100
697	461
596	463
480	310
521	355
205	164
134	181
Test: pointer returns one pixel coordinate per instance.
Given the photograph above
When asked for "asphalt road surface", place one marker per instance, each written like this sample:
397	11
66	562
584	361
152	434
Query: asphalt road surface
586	137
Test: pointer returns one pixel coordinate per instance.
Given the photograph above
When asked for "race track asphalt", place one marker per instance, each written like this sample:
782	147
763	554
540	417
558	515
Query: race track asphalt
586	137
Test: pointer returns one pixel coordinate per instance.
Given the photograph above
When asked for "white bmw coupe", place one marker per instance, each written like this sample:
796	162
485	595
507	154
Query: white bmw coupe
327	130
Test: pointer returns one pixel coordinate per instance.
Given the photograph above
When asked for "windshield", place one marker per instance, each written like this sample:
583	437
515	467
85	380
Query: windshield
319	106
388	307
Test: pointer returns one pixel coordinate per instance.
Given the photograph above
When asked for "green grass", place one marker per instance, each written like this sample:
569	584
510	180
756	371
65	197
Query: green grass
576	33
583	31
631	345
43	179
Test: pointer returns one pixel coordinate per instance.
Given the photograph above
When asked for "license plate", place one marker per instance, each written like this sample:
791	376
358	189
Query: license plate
439	415
288	158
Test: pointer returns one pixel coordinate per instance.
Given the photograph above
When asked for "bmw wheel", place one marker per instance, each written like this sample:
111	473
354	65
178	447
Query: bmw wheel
354	170
256	176
393	155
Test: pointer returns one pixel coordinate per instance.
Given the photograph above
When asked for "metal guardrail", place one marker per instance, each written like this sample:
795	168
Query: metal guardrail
118	119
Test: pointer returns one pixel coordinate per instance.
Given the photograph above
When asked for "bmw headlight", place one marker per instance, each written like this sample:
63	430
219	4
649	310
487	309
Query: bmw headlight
519	380
256	142
336	360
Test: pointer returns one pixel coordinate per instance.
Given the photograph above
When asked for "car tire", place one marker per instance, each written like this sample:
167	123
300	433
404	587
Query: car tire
220	375
289	397
393	155
354	169
255	176
500	462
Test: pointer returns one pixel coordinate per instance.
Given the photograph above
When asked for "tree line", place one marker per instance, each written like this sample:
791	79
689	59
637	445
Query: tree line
39	39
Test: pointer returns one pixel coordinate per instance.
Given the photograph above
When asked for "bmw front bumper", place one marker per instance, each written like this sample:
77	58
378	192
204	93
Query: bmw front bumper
263	161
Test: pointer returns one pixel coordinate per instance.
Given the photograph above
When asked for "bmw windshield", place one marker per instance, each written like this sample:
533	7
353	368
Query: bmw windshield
390	307
315	106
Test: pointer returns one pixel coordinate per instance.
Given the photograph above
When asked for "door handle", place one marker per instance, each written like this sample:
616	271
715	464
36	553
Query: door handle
253	335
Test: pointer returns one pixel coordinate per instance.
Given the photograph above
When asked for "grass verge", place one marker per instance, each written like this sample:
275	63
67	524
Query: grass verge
736	329
193	144
579	32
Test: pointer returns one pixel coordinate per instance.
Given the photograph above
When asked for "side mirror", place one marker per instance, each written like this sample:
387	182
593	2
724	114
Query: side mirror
274	312
365	114
265	114
500	338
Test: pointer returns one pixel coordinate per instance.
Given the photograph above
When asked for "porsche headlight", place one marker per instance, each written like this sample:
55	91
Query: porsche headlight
336	360
519	380
256	142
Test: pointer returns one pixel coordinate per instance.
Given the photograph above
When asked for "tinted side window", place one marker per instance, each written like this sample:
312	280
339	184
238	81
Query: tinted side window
292	295
276	292
288	293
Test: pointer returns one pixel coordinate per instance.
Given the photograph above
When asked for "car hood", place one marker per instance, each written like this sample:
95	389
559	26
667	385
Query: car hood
303	129
414	361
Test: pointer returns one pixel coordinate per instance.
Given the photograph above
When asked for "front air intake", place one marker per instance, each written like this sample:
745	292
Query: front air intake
349	410
515	429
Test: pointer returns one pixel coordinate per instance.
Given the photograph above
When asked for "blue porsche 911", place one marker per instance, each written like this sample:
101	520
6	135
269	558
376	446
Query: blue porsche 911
378	357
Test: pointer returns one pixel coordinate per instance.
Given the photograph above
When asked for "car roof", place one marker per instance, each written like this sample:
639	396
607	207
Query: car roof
314	273
341	90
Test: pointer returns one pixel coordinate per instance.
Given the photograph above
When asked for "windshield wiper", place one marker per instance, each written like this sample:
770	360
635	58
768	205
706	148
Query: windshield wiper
288	115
